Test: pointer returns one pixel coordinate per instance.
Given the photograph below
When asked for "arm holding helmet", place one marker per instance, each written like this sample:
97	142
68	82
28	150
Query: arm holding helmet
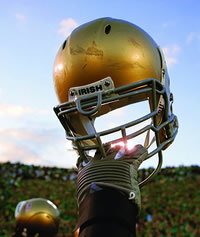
111	194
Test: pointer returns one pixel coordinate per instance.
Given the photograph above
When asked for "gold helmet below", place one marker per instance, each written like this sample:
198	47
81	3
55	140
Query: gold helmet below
37	216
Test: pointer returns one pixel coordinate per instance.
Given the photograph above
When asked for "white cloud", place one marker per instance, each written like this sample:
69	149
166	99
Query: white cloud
14	110
168	24
38	147
15	153
19	17
66	26
24	134
7	110
171	53
193	36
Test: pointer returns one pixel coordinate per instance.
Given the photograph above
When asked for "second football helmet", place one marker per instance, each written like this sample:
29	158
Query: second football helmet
37	216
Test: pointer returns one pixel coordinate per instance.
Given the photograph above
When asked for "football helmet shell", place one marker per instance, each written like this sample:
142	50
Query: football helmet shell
37	215
104	65
102	48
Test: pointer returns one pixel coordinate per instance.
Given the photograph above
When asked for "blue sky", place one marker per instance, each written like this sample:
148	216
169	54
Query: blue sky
32	32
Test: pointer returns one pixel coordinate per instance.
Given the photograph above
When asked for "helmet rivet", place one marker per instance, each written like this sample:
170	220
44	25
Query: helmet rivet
72	93
107	83
171	98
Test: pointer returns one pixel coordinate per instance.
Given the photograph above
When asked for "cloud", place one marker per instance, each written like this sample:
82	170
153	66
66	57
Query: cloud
20	17
24	134
15	153
193	36
171	53
38	147
168	24
66	26
14	110
7	110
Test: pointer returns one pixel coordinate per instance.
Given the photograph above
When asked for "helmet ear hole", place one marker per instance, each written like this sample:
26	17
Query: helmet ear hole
107	29
64	44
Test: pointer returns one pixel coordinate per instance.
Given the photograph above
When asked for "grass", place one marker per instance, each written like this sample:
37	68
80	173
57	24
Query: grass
170	203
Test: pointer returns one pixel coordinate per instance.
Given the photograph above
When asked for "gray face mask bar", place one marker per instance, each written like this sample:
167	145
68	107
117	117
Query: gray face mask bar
150	89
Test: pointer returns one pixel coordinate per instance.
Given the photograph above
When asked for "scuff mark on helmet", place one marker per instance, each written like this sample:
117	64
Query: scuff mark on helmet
134	43
84	66
125	65
137	45
94	51
77	50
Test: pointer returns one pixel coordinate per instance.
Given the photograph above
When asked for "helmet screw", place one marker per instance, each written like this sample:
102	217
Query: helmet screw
171	97
72	93
107	83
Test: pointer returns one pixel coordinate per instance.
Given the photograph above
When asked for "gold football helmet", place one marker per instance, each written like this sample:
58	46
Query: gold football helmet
37	216
104	65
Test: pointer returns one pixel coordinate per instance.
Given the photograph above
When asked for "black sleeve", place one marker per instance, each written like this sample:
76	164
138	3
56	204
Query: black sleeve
107	213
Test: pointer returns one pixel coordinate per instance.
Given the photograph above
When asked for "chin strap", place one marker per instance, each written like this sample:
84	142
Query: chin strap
118	171
147	142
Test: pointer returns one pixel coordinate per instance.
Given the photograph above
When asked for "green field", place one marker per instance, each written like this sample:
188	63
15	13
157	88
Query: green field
170	203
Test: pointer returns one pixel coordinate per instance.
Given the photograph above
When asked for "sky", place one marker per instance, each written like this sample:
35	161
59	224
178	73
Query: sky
31	33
